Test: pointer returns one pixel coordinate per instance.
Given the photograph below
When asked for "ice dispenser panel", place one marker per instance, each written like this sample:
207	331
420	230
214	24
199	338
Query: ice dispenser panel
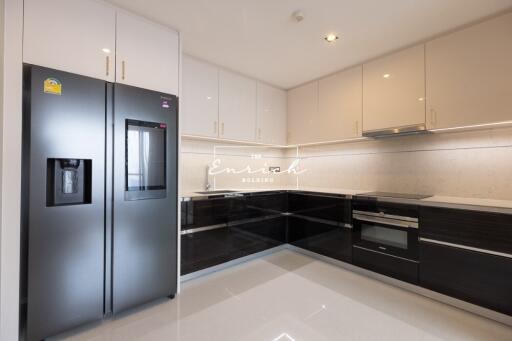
68	182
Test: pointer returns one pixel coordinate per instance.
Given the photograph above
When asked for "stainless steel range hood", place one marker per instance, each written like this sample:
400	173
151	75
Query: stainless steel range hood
388	132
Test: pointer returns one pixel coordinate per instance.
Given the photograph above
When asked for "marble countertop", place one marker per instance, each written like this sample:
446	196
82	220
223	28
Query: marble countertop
478	204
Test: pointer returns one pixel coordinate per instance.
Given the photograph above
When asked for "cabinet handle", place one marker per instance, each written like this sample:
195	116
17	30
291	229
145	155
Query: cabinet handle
215	127
123	70
107	65
222	128
433	117
259	133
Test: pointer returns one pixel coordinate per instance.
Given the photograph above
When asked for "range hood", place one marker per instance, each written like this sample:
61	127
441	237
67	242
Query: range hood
398	131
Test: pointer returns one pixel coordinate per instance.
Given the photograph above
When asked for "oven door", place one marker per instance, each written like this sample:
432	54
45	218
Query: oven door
390	236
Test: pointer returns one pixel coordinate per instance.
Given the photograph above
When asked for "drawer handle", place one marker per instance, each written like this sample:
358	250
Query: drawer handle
433	117
464	247
123	70
107	62
386	221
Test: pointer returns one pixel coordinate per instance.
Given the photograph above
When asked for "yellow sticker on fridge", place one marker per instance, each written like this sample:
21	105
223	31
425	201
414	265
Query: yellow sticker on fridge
52	86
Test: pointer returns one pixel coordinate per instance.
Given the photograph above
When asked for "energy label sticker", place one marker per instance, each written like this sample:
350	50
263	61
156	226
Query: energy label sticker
52	86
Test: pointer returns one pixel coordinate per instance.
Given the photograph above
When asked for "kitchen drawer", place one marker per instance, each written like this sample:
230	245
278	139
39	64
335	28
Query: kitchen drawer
325	239
200	213
329	208
478	278
484	230
201	250
257	205
398	268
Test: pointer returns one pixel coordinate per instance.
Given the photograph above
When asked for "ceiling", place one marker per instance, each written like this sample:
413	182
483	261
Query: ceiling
259	38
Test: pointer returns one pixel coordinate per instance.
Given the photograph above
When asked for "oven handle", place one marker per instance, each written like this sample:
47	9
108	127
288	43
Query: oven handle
386	221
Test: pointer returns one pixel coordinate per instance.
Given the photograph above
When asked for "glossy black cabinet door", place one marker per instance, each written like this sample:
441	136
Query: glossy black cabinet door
204	249
484	230
251	224
399	268
329	240
319	206
257	236
478	278
257	205
200	213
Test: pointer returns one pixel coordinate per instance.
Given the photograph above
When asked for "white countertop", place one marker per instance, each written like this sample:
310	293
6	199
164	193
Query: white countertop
191	194
491	205
470	201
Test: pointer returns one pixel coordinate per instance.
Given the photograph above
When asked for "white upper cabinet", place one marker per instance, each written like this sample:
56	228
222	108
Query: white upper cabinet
200	98
340	105
469	75
147	54
237	107
271	115
394	90
302	112
77	36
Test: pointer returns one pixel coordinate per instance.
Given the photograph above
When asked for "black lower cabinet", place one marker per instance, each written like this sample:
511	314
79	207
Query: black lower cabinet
475	277
399	268
201	250
326	239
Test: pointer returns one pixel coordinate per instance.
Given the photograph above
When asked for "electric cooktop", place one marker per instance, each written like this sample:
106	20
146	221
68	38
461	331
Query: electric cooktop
395	195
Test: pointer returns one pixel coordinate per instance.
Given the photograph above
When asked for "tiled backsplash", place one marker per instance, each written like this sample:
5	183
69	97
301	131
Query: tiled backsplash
467	164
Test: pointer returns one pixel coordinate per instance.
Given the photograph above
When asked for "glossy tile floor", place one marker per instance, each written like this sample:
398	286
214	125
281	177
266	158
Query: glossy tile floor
288	296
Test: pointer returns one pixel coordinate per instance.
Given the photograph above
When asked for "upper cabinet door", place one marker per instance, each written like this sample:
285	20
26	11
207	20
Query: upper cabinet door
271	116
77	36
147	54
394	90
302	111
469	75
237	107
340	105
200	100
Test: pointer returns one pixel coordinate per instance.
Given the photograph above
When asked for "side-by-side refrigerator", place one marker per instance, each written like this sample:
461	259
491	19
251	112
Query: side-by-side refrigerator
99	210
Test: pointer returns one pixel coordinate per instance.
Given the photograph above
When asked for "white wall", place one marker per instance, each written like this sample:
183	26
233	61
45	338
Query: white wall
11	170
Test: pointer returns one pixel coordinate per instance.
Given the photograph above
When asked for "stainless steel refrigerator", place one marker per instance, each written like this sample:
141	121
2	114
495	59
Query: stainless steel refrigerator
99	211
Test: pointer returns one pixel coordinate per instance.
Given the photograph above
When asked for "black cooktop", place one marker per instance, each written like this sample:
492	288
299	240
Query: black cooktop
395	195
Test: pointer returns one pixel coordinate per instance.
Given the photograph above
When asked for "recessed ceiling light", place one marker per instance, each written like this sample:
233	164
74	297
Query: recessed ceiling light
386	75
106	50
421	99
331	37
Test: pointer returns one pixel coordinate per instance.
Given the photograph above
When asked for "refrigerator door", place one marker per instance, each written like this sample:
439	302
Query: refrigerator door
144	263
63	200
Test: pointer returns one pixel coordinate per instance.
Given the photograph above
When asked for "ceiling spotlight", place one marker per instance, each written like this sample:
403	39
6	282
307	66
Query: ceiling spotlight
298	15
331	37
105	50
386	75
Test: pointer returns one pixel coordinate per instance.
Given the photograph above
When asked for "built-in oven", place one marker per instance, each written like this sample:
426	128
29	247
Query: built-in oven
386	238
